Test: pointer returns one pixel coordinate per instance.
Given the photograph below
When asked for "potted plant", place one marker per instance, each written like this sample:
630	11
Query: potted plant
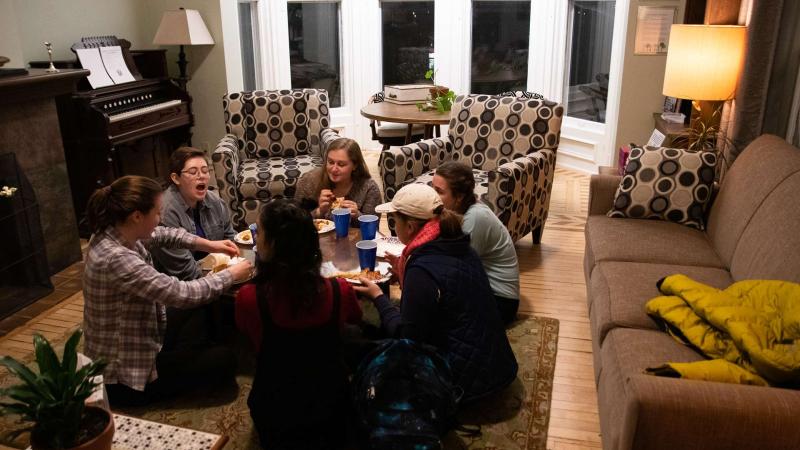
435	90
54	399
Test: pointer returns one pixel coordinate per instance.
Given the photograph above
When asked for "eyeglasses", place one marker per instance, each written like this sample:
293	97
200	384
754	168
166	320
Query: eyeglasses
194	171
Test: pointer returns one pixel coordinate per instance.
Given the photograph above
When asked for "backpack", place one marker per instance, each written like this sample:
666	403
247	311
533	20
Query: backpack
404	397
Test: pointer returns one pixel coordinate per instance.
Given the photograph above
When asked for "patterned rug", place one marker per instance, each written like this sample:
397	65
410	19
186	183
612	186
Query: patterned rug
517	419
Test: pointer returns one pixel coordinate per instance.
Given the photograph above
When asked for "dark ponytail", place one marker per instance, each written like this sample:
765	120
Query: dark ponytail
449	224
113	204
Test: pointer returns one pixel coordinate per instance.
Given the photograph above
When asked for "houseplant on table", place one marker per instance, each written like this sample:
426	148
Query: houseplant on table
441	97
54	399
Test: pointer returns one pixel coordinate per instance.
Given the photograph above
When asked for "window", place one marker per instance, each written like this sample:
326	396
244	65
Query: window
407	41
248	35
500	32
592	28
314	42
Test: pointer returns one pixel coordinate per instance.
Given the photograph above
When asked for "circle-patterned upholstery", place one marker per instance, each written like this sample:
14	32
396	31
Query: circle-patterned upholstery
274	137
488	131
481	181
667	184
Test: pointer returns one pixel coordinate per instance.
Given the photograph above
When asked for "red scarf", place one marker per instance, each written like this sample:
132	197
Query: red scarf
429	232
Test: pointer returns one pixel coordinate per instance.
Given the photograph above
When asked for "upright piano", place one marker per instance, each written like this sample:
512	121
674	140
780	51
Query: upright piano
125	129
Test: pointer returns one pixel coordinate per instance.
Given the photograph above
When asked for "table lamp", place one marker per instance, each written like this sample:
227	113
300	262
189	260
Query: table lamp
703	65
182	27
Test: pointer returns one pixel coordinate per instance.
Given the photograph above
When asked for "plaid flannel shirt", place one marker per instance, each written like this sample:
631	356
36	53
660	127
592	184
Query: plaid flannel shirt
124	314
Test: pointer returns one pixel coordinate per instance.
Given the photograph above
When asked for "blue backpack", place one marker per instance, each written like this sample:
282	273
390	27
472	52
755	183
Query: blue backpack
404	397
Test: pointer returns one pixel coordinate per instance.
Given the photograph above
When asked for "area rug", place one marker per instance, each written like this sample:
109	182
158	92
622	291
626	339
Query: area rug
517	419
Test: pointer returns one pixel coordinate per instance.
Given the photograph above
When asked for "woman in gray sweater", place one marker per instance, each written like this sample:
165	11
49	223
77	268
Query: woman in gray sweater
344	182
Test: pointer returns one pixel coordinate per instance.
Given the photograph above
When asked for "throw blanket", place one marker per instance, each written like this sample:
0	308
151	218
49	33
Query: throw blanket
750	331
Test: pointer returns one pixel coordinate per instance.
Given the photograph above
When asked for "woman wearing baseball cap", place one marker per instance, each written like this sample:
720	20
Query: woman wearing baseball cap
446	301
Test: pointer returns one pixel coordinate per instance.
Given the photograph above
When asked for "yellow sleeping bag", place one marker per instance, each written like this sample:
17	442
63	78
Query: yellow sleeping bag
753	324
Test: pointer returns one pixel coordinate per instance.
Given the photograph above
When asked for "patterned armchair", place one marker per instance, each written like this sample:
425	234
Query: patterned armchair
511	145
273	138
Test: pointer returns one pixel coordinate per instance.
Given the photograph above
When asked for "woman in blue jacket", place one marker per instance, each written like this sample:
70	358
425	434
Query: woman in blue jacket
446	300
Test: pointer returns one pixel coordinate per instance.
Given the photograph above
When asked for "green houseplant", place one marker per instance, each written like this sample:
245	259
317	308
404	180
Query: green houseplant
441	98
54	398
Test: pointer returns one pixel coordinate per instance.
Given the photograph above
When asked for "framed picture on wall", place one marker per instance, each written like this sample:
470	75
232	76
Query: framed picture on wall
652	29
671	104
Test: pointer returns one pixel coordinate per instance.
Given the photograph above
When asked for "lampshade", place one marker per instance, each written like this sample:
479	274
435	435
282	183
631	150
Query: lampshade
704	61
182	27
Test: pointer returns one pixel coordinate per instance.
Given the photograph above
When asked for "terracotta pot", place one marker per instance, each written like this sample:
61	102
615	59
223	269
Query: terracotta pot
99	442
437	91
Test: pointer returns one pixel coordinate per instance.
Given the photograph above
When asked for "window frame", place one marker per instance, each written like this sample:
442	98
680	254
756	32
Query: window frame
584	145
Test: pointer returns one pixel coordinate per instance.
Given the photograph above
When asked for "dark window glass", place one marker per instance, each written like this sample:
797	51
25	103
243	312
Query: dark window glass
500	31
407	41
246	38
590	59
314	47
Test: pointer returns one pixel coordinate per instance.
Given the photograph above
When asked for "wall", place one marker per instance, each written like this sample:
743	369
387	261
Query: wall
10	46
206	67
642	81
64	22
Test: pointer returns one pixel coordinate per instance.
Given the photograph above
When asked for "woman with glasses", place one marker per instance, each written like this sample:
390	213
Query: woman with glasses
187	203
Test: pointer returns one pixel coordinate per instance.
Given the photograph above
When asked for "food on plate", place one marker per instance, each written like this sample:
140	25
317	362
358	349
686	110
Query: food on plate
213	261
321	223
337	203
246	236
371	275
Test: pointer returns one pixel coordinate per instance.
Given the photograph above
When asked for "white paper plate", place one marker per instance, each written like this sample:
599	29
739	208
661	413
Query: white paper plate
239	238
328	270
327	225
389	244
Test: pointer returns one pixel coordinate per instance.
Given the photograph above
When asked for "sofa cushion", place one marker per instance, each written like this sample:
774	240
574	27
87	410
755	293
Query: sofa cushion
647	241
666	184
766	163
618	292
769	247
647	412
265	178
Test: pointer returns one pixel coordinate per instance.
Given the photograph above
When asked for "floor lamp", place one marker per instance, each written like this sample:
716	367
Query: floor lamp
182	27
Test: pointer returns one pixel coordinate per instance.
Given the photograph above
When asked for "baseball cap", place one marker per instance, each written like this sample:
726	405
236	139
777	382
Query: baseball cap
419	201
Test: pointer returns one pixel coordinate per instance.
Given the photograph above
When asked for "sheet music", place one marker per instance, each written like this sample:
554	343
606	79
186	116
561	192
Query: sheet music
115	64
90	59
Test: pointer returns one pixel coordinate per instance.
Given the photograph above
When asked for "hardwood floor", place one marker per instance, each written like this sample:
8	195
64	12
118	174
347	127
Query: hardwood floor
551	275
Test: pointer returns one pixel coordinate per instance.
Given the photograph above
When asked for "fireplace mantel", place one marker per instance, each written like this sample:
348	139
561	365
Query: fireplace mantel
29	129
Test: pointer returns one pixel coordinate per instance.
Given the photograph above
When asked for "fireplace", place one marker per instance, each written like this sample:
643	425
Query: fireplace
24	275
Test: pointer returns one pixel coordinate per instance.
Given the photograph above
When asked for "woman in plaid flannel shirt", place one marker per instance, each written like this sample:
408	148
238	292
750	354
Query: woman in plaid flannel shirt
125	297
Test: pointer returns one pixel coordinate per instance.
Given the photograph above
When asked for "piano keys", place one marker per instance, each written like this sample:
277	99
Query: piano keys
124	129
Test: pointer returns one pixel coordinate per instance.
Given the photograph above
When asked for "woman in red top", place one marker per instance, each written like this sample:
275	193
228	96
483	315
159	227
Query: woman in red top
294	318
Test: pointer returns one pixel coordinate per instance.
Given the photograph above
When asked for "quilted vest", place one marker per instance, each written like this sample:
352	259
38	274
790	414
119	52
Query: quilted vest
469	332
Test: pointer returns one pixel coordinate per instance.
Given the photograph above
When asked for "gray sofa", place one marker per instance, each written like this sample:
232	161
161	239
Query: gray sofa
753	232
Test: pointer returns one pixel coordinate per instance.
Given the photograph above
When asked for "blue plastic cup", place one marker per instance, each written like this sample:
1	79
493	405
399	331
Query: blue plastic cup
367	250
253	230
369	226
341	218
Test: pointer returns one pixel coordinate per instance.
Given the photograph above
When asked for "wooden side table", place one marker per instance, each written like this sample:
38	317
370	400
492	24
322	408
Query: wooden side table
677	134
407	114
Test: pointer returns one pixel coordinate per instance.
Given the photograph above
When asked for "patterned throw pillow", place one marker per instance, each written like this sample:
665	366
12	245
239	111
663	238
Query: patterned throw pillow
666	183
